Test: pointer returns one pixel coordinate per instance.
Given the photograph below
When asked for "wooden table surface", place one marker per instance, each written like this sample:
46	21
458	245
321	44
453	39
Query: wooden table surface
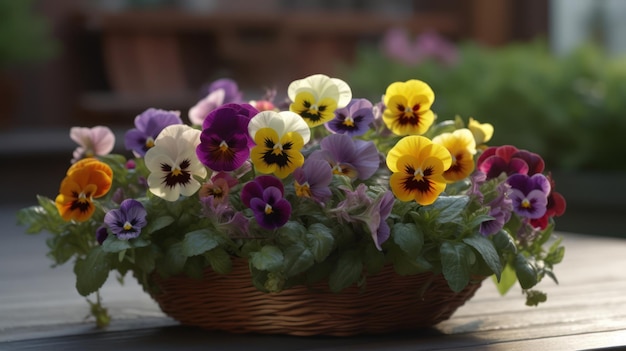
40	310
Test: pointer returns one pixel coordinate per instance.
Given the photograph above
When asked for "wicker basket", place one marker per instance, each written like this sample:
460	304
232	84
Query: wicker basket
231	303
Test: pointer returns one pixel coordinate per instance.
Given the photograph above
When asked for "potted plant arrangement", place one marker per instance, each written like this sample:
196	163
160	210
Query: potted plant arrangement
325	214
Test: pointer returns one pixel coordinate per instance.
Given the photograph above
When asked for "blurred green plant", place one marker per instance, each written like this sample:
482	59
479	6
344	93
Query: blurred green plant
24	35
570	109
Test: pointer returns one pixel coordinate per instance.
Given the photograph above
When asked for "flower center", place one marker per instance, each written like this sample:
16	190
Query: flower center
303	190
526	203
223	145
277	149
149	142
348	122
268	209
127	226
176	171
418	174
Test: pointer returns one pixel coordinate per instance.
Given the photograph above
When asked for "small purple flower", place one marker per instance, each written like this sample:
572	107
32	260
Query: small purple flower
127	221
232	94
264	195
529	194
354	119
377	215
148	125
225	142
352	158
312	180
102	234
359	207
500	209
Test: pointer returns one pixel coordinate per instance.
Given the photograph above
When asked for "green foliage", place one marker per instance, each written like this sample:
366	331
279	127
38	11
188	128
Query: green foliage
570	109
25	37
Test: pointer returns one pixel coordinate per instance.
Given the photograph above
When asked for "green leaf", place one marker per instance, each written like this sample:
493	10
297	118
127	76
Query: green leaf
504	242
534	297
408	237
270	258
297	260
174	259
486	249
526	272
507	279
92	271
347	271
450	208
456	259
113	244
375	260
555	253
292	232
198	242
145	258
159	223
320	241
220	260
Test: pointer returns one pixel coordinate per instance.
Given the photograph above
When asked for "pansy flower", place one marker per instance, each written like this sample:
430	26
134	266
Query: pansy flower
148	125
218	187
225	142
220	92
462	147
86	180
555	207
354	119
407	107
173	163
500	209
508	159
418	165
312	180
279	137
482	132
264	195
350	157
529	194
316	98
126	222
96	141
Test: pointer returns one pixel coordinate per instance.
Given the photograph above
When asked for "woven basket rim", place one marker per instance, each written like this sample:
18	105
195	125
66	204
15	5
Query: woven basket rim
387	303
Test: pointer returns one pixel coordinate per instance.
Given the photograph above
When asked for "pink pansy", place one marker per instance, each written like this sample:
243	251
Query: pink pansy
96	141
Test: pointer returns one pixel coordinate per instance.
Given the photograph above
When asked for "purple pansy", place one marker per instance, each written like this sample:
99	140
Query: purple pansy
508	159
127	221
312	180
529	194
264	195
232	94
377	215
354	119
225	142
349	157
359	207
220	92
101	234
500	209
148	125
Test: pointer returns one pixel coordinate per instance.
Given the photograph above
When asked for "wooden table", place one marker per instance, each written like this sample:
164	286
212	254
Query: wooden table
39	309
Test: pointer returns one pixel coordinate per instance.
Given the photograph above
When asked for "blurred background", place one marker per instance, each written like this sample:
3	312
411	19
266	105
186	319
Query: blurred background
550	75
